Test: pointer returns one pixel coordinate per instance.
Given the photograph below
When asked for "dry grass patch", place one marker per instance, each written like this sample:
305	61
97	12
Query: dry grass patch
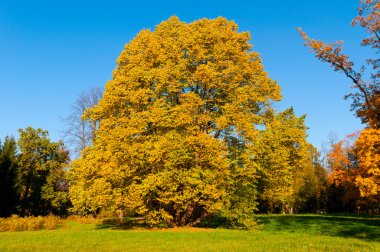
31	223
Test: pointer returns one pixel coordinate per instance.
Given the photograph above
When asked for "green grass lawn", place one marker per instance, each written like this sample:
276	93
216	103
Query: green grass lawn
276	233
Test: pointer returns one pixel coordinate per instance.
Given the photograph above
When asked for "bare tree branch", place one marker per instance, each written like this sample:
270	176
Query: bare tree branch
80	132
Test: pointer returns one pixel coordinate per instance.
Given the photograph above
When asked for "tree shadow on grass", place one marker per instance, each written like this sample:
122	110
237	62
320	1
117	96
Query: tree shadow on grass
139	223
352	226
215	221
126	224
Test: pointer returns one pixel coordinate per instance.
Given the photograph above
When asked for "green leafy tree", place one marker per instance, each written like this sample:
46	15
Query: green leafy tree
177	126
9	197
41	176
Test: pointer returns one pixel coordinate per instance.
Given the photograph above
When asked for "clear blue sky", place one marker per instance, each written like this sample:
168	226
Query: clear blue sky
51	51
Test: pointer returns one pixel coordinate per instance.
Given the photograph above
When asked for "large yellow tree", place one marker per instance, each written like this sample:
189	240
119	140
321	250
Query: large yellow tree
177	126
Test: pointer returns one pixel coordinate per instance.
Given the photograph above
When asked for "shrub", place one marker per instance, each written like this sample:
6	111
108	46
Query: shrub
52	222
16	223
84	219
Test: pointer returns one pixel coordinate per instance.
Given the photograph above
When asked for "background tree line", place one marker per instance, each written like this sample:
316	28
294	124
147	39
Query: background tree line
33	175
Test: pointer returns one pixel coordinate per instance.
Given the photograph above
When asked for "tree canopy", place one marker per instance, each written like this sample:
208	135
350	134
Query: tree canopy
8	177
366	95
177	125
358	166
41	173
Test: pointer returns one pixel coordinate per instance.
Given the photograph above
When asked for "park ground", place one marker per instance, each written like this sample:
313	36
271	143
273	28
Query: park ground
273	233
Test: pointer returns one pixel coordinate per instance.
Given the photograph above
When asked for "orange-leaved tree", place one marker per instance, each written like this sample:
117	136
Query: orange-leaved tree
355	169
342	191
366	97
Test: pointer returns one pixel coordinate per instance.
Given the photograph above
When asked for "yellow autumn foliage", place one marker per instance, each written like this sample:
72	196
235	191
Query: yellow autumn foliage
283	157
177	126
368	153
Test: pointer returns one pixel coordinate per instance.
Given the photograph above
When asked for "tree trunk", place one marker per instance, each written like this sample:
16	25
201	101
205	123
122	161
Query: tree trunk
203	216
185	218
121	213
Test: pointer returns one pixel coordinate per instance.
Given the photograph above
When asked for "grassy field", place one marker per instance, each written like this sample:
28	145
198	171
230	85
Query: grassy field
276	233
